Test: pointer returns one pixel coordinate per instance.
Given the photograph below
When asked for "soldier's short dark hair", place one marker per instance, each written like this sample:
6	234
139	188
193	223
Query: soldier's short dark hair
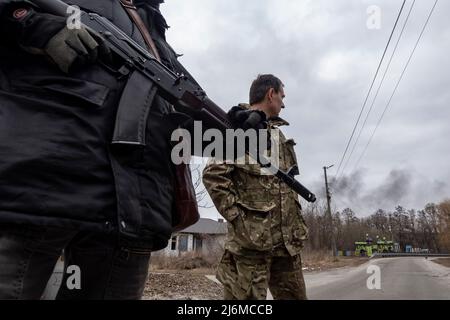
262	84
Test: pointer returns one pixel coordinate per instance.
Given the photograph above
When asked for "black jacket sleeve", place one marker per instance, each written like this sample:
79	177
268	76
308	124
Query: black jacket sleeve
34	30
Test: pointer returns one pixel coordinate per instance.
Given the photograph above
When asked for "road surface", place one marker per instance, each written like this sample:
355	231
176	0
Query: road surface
409	278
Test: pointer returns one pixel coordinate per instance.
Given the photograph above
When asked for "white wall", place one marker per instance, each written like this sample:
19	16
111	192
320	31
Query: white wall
210	245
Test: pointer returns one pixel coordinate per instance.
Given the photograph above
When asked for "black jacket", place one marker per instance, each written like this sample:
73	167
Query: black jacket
57	166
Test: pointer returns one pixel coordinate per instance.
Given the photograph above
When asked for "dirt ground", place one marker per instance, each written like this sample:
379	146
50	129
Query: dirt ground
443	261
182	285
194	285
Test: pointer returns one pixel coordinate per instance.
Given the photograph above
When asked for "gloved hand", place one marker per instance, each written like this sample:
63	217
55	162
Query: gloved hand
245	119
46	34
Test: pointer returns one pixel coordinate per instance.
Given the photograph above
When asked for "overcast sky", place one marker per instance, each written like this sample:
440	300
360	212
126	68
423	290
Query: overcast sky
327	56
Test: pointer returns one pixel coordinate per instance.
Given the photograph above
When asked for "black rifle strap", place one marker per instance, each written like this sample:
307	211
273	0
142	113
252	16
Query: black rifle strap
131	9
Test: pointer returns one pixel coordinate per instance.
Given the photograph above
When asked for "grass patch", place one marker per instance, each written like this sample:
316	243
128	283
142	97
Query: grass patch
187	261
443	261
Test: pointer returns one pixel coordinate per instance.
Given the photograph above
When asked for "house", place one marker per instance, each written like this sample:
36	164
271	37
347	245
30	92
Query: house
207	236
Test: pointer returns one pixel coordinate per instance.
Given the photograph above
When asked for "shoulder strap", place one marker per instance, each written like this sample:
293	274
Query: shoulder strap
131	9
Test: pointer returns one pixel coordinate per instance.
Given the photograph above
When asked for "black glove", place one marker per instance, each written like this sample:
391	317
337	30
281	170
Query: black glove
46	34
245	119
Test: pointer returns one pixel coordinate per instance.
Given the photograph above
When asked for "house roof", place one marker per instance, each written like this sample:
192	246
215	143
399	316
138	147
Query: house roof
207	226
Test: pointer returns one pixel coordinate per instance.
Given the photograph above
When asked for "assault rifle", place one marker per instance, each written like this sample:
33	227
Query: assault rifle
148	77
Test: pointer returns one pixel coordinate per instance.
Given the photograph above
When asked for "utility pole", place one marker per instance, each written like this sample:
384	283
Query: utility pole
330	219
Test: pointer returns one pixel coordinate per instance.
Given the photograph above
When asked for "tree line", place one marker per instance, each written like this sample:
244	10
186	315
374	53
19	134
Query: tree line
428	228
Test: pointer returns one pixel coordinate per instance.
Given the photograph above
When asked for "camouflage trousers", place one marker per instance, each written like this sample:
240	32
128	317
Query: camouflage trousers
248	278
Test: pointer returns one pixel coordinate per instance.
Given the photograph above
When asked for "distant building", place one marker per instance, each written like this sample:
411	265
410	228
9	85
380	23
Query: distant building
206	236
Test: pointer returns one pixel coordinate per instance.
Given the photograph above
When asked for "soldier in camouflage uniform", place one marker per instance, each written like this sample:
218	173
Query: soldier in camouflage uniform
266	229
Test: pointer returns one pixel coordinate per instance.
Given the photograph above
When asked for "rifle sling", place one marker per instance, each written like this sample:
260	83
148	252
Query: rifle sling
131	9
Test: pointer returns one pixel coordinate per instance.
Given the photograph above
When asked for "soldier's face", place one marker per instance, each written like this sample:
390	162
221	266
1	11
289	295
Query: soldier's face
276	102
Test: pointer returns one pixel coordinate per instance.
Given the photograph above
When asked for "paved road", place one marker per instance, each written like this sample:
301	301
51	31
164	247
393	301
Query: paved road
410	278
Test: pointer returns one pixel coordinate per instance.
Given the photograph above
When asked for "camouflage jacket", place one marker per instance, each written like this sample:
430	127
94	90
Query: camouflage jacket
263	214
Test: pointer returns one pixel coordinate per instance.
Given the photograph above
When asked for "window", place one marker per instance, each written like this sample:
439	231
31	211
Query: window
182	242
173	244
198	243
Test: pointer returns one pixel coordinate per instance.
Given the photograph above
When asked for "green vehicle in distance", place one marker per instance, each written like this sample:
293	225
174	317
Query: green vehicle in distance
363	249
384	246
368	248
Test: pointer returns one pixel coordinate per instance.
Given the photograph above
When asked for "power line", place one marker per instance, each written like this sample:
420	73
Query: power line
398	83
379	87
371	86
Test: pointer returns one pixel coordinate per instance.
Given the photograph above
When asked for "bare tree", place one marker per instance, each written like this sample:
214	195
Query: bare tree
200	190
444	225
428	228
